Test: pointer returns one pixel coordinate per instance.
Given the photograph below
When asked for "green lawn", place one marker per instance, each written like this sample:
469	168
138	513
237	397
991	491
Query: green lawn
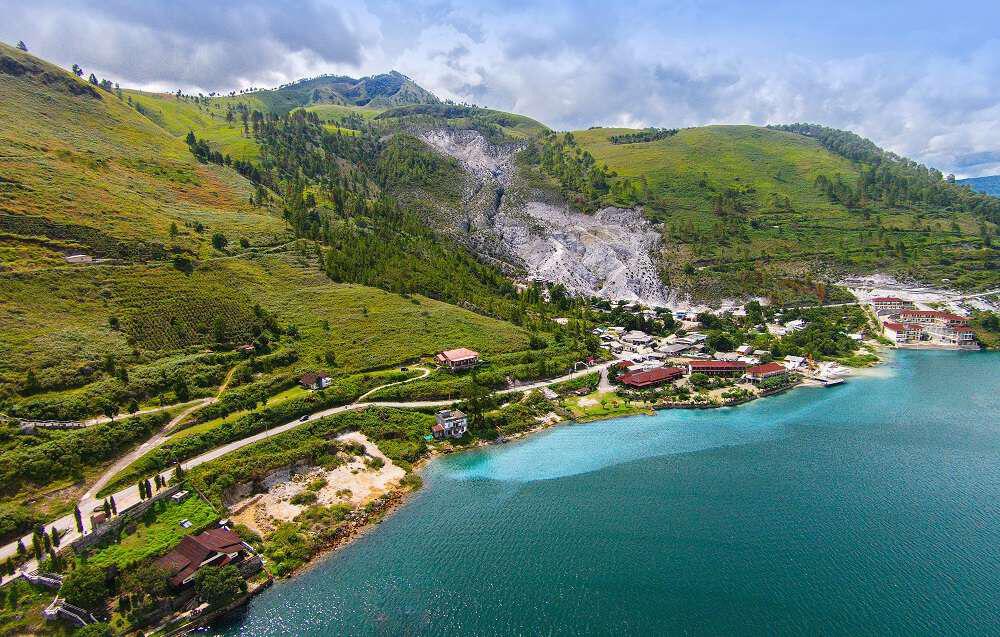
157	536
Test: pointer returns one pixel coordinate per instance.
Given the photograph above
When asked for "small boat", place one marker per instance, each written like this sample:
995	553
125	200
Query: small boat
830	382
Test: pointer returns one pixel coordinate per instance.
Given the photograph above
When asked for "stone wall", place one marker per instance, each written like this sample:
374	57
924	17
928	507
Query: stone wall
119	522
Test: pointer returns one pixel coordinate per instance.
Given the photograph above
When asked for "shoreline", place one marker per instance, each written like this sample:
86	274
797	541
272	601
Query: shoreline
398	497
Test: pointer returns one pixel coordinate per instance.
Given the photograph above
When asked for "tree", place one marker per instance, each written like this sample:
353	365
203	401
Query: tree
114	507
31	382
111	409
133	407
219	586
173	229
79	519
21	45
141	485
93	79
56	536
85	586
100	629
37	545
21	551
77	71
146	580
181	390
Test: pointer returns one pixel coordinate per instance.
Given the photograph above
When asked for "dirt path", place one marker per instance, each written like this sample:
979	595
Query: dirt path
129	496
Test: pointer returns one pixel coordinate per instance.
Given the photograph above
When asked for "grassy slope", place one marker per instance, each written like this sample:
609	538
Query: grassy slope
55	322
178	116
684	172
77	156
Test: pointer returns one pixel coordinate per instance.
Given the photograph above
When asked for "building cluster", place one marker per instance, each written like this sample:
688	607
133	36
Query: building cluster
904	324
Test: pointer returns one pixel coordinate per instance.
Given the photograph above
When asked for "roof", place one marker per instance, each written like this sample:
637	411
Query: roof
186	558
437	428
886	299
892	325
766	368
648	377
311	378
457	355
717	364
938	314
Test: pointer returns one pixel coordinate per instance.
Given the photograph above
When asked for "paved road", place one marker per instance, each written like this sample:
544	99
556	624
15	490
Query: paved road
129	496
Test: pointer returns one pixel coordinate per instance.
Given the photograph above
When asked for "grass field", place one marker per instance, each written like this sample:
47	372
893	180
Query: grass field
208	121
159	532
83	172
57	324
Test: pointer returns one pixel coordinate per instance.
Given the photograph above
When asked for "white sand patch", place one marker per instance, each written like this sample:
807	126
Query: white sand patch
355	482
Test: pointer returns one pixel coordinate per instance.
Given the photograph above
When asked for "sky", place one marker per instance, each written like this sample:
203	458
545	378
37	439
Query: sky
919	78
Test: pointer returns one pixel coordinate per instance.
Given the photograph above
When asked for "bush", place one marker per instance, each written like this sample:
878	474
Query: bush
219	586
86	586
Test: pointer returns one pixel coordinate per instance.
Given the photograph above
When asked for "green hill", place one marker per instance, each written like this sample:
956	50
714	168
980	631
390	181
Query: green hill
83	172
747	209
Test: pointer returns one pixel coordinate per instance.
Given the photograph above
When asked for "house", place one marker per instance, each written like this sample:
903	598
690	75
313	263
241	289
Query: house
794	362
889	304
637	337
98	518
744	350
549	394
651	377
450	423
624	364
758	373
673	349
457	359
717	368
215	547
246	348
78	258
797	324
961	335
179	497
761	353
927	317
726	356
903	332
315	381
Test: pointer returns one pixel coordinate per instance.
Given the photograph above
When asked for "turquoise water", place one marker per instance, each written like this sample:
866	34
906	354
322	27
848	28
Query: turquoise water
868	508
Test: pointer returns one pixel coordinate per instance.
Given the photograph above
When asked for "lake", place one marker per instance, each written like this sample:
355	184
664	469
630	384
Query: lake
872	507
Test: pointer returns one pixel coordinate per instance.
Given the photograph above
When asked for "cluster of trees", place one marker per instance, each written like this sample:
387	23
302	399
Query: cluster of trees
200	149
893	180
647	135
584	182
66	455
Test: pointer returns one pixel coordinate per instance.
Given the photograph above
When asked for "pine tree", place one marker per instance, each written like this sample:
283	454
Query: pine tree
114	507
21	45
21	551
79	519
77	71
92	79
56	536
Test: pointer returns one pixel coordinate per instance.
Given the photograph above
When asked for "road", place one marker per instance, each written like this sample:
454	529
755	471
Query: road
129	496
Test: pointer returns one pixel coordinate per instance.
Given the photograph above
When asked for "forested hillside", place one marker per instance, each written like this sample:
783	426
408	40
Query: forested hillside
223	225
747	209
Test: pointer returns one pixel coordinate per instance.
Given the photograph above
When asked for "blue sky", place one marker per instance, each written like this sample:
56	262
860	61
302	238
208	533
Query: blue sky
920	78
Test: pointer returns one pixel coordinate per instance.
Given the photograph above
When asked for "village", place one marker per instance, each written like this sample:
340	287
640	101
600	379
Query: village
188	560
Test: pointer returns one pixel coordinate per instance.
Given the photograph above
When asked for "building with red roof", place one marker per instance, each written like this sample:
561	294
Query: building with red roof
758	373
215	547
457	359
717	368
651	377
889	304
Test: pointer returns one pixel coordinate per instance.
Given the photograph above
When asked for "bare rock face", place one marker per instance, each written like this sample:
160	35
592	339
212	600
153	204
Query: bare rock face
610	254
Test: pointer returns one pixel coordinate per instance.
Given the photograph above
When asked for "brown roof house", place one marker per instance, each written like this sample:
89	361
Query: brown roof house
315	381
456	359
215	547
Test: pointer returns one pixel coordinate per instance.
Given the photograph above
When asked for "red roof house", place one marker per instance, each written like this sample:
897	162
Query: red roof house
716	368
461	358
651	377
215	547
767	370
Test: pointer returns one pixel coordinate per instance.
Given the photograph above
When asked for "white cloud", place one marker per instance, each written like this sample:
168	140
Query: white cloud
569	65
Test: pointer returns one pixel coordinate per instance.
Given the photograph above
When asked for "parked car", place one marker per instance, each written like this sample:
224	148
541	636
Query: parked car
304	418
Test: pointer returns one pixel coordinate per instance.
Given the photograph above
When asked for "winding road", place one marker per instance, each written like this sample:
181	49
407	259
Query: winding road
129	496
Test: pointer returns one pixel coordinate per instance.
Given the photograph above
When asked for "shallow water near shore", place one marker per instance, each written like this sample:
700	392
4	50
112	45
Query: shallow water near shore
869	507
